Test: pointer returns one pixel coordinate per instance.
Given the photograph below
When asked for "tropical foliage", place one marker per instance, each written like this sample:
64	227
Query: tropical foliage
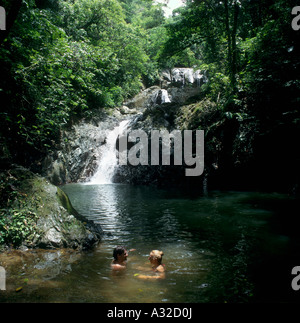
63	59
60	60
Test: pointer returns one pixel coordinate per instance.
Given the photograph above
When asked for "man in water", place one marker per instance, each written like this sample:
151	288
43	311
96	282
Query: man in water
120	255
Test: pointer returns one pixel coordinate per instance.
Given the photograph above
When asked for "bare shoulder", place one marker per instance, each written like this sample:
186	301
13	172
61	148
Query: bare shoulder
160	269
117	267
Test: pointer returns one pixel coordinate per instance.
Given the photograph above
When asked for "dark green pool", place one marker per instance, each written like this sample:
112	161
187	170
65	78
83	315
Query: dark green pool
223	247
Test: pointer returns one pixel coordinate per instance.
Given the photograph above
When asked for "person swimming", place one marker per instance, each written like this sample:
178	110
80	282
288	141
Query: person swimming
120	255
155	258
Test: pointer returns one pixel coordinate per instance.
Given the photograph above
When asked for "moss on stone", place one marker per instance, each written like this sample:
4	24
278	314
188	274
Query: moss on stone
65	201
57	224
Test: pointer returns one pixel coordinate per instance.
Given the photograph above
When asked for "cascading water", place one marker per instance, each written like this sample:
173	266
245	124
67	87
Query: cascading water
108	155
165	96
161	97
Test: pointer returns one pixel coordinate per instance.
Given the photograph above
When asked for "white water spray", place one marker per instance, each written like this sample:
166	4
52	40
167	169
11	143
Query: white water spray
161	97
165	97
108	153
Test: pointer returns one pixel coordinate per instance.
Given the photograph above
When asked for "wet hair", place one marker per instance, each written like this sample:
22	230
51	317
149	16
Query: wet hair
119	250
157	254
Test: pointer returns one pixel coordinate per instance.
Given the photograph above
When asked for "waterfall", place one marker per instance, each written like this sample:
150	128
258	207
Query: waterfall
165	96
161	97
108	155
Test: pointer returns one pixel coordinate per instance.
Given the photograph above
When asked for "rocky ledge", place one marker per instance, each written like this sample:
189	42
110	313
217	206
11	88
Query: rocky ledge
37	214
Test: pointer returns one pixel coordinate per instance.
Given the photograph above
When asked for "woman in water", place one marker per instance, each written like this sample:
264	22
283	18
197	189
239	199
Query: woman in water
158	268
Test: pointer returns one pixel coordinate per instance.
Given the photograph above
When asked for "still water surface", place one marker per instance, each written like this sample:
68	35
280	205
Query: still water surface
217	248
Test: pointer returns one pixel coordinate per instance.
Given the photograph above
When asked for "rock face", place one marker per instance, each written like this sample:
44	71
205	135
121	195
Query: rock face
160	109
177	86
77	157
78	152
58	224
143	100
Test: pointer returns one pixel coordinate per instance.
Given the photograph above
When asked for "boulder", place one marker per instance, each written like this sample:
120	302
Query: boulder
142	100
56	223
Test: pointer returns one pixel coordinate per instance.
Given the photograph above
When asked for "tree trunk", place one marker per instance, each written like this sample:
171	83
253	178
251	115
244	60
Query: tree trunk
231	40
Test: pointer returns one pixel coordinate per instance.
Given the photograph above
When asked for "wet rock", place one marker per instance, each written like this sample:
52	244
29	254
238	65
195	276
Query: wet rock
76	157
125	110
145	98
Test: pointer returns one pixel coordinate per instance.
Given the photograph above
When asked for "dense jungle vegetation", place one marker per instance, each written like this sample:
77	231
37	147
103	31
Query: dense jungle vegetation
60	60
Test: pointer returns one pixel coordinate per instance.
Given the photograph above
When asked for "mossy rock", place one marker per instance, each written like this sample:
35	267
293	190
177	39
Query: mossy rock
57	224
65	201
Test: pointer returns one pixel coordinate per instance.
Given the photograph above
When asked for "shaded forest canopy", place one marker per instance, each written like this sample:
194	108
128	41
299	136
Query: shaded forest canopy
60	60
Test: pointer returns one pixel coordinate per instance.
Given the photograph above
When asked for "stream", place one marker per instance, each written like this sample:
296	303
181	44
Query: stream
221	247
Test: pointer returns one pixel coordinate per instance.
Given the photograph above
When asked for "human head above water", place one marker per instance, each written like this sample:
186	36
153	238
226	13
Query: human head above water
119	250
156	255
